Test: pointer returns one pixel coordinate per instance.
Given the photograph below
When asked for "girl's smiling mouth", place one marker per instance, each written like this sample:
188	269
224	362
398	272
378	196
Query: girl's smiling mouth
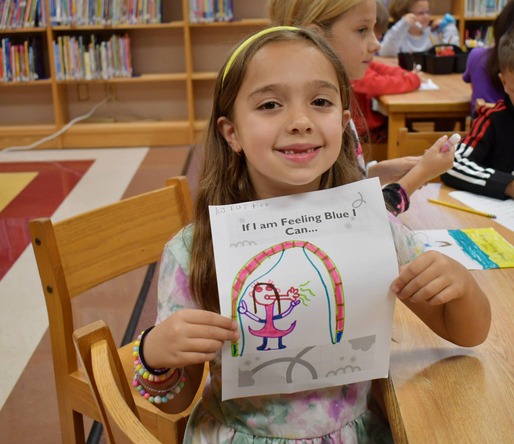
299	153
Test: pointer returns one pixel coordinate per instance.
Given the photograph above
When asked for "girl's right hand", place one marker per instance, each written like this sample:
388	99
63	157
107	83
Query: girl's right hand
434	162
410	18
188	337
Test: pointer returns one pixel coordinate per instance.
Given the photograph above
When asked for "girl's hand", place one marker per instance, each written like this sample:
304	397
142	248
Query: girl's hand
434	25
422	76
392	170
432	278
410	18
188	337
434	162
444	295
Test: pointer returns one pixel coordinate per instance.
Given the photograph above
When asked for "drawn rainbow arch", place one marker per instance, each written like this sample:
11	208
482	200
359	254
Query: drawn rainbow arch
258	259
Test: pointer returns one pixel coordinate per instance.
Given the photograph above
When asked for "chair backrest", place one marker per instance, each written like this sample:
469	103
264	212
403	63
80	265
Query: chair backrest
99	357
414	143
86	250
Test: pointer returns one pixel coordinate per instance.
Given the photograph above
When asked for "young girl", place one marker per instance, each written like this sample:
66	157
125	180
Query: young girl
380	78
279	126
348	25
413	31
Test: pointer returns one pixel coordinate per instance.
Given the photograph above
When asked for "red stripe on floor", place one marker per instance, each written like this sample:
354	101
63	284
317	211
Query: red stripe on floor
41	198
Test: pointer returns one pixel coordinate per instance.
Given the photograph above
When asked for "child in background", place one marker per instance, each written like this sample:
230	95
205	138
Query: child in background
348	27
279	126
484	159
413	31
380	79
482	63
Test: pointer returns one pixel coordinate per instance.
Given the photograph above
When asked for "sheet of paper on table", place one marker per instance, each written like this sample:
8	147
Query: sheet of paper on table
306	277
428	85
502	209
475	248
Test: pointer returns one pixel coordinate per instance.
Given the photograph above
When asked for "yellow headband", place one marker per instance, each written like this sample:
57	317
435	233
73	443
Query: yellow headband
250	40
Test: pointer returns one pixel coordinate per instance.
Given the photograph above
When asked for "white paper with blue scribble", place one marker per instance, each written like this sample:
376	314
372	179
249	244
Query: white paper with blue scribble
307	278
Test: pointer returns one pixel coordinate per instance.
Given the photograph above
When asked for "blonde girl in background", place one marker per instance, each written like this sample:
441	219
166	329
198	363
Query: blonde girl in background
348	25
279	126
380	79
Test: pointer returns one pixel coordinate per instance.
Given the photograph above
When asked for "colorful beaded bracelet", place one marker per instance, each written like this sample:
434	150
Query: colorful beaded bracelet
158	396
155	375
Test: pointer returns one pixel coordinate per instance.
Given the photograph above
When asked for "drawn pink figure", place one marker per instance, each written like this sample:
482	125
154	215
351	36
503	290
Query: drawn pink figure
267	295
332	287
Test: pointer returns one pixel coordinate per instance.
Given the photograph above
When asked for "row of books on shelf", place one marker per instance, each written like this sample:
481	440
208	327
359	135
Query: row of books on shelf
22	14
104	12
207	11
20	62
483	36
78	59
480	8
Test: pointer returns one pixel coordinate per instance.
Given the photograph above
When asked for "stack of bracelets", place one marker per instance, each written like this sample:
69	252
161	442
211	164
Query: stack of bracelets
165	384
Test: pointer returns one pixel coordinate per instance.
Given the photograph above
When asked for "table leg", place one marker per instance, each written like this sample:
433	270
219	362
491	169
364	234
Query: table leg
396	121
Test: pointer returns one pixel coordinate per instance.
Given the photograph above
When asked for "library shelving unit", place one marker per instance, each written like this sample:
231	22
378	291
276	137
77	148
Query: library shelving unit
166	102
468	21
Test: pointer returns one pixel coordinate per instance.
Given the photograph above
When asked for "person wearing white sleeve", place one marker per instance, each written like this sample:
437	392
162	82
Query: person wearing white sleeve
413	30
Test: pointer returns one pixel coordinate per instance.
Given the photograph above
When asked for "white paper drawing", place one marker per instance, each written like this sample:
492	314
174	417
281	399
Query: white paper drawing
306	277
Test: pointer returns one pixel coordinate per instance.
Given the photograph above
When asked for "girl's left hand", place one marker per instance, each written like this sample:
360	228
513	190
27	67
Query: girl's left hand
432	278
444	295
434	24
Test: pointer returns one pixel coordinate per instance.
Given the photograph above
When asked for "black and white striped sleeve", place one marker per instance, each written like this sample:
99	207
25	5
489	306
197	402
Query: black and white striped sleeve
475	167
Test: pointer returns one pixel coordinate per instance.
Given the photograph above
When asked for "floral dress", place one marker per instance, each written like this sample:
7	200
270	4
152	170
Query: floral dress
329	415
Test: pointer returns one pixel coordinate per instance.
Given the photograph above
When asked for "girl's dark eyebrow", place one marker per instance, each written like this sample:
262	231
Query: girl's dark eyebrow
274	86
325	84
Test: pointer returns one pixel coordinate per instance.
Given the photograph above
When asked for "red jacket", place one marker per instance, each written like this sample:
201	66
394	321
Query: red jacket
380	79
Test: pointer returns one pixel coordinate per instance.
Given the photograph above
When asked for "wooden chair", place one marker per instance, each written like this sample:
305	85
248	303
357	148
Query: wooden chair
84	251
99	358
415	143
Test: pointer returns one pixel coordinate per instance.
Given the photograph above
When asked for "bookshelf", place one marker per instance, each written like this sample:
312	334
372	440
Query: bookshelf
472	16
166	102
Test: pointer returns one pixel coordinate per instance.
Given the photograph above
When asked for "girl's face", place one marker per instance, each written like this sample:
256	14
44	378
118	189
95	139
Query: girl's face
353	39
421	10
288	119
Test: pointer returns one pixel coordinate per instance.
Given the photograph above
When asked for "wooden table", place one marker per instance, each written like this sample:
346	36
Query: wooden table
441	393
452	99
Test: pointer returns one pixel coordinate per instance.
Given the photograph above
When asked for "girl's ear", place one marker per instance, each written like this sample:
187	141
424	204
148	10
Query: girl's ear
346	117
228	131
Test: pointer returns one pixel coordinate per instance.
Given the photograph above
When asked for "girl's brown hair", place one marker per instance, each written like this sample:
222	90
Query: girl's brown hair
501	25
398	8
322	13
225	179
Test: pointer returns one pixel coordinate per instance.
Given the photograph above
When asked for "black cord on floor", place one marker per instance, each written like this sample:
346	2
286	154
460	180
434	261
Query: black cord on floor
97	428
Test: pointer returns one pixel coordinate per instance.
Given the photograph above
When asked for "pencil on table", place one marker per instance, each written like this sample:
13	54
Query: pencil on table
458	207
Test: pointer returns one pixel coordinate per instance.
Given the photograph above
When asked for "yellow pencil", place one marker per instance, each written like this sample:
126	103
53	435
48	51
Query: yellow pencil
458	207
